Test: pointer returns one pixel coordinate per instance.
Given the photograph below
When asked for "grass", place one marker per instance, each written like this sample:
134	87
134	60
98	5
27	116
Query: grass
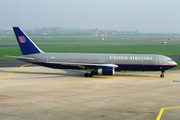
167	50
11	40
13	51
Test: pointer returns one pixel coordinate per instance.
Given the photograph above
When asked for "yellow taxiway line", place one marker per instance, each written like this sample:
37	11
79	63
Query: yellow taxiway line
14	71
108	78
162	110
91	80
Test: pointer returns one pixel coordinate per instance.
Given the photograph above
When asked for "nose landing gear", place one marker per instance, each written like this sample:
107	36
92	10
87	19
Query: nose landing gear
162	73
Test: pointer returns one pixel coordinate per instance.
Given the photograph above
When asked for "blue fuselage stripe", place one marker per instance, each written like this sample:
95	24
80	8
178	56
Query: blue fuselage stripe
138	67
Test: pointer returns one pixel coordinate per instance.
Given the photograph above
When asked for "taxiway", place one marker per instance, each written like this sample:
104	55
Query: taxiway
36	92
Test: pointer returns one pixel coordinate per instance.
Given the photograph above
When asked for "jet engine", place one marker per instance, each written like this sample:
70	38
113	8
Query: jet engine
106	71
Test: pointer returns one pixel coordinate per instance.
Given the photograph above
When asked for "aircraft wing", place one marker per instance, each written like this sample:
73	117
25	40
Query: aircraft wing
86	65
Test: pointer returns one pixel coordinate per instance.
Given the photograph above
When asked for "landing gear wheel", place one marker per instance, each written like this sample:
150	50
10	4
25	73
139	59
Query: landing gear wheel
90	75
86	75
162	75
92	72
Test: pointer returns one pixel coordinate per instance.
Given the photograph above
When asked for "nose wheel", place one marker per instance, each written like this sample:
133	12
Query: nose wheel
162	74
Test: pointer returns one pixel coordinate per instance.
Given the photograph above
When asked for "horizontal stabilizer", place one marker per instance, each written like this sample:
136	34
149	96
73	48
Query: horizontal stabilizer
11	56
20	57
25	58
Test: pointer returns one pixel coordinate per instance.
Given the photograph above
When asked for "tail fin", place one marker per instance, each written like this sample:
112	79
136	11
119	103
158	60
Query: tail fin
25	43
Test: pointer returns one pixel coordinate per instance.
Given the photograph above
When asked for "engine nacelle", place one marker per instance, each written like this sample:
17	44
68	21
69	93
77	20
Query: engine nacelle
106	71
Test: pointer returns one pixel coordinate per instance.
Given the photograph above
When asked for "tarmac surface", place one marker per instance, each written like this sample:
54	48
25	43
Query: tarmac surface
36	93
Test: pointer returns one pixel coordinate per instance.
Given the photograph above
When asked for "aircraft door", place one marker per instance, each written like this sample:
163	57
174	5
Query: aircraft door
158	61
45	59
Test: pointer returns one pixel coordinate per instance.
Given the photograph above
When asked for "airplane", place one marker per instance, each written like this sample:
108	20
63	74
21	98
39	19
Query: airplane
94	64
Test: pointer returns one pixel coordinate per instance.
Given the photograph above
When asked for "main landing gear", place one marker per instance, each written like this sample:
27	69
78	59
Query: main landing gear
162	73
89	74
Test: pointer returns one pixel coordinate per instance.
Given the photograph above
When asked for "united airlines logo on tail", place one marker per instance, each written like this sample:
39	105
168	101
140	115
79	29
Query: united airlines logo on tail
22	39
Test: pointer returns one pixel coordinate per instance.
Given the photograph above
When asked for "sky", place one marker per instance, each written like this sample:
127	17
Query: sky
146	16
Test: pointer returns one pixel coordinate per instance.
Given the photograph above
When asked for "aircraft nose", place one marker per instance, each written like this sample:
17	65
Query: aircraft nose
174	63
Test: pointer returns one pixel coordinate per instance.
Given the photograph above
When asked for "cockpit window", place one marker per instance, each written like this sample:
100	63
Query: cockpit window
169	60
